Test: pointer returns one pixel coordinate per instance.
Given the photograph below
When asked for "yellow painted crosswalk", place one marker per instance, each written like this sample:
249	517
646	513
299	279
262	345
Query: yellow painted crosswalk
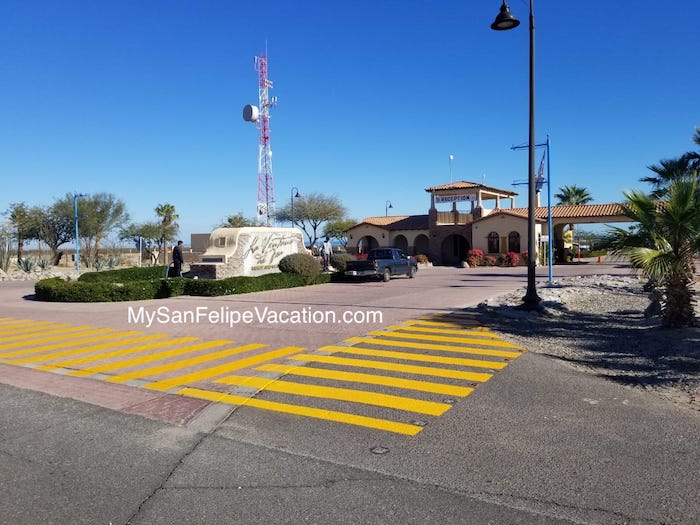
404	369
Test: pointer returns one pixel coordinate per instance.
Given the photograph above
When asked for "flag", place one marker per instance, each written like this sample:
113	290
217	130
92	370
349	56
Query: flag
540	174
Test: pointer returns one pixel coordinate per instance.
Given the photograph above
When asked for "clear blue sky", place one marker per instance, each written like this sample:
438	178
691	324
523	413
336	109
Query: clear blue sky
143	99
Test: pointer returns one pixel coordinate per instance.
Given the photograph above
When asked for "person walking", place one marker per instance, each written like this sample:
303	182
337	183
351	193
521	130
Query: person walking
326	252
178	259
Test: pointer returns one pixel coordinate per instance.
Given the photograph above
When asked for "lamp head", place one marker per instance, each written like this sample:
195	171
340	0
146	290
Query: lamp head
505	19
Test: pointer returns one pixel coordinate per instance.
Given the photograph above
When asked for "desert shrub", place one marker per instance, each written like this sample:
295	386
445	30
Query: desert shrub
26	264
301	264
339	261
422	258
475	257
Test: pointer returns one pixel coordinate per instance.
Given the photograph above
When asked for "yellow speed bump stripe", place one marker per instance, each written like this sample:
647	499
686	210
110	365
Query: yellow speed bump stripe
444	339
17	341
25	326
125	363
410	356
84	350
444	330
435	346
116	353
76	340
183	363
480	377
372	379
328	415
220	370
341	394
482	330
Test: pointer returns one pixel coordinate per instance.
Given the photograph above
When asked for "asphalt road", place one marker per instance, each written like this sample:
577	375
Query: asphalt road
538	443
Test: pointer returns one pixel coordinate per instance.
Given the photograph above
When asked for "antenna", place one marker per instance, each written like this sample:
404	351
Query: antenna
260	115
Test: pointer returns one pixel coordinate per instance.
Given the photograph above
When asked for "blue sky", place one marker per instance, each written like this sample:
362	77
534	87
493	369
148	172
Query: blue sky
143	99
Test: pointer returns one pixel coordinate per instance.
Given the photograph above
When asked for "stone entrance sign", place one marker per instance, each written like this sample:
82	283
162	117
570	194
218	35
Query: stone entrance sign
247	251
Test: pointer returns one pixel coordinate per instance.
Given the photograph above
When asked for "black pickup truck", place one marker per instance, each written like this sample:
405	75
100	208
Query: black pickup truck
383	263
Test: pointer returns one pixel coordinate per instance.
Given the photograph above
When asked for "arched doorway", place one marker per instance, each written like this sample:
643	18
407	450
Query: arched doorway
421	245
454	250
401	243
366	244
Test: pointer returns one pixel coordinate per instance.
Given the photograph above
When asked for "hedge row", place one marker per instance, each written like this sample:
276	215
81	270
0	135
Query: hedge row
94	290
124	275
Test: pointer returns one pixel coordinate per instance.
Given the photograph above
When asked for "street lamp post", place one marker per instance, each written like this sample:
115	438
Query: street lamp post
294	195
77	238
504	21
387	207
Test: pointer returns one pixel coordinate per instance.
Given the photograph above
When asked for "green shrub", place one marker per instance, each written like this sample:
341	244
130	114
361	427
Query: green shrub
339	261
125	274
305	265
58	290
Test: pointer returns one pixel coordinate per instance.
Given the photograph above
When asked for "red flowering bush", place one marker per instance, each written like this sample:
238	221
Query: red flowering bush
475	258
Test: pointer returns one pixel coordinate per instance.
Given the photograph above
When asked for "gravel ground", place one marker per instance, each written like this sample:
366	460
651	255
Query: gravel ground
597	324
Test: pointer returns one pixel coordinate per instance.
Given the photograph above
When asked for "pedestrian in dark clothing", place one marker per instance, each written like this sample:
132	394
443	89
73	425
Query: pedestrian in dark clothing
178	259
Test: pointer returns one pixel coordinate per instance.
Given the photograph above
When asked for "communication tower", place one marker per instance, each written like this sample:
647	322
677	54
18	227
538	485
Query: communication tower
260	115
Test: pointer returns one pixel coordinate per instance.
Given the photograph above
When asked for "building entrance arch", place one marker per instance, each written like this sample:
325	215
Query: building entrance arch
454	249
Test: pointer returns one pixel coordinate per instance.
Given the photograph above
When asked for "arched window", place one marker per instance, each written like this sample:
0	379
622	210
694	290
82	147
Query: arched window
514	242
493	242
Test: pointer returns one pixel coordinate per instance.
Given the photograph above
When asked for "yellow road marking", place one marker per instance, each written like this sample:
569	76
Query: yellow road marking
41	336
116	353
23	326
445	331
220	370
483	331
480	377
341	394
444	339
85	350
410	356
356	377
77	339
125	363
329	415
434	346
183	363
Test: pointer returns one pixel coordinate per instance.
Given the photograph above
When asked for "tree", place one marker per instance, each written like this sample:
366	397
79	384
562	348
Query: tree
168	220
19	218
99	214
149	235
663	243
573	196
55	225
311	211
338	229
236	221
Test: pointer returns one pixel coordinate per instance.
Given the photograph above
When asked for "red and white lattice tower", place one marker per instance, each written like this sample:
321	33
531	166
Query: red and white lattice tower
261	116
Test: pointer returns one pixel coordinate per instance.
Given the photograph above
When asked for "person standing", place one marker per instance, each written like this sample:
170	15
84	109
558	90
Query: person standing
178	259
326	252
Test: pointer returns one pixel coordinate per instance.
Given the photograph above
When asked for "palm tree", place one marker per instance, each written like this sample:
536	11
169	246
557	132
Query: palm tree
168	220
663	244
573	196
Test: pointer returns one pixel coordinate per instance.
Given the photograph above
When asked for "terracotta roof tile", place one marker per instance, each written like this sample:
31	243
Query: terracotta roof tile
579	211
466	185
398	222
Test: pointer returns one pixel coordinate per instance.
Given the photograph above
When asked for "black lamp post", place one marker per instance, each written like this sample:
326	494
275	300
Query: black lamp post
387	207
504	21
295	195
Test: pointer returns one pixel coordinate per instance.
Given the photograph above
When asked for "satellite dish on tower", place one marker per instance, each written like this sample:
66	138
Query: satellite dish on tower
250	113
